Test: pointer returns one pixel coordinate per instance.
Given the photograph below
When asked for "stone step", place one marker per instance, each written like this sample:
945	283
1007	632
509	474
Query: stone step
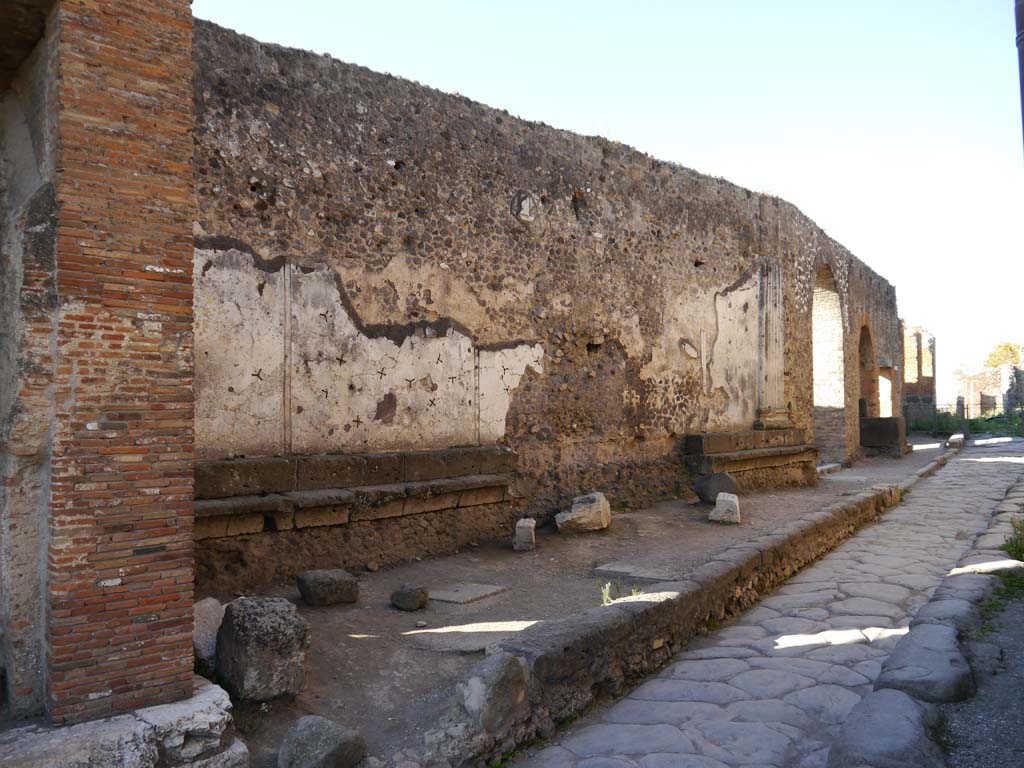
731	442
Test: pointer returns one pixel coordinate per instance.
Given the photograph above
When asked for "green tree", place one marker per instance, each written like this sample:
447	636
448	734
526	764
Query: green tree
1003	353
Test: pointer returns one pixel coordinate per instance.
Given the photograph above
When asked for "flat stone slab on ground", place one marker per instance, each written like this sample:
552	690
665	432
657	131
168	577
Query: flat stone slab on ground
465	593
633	572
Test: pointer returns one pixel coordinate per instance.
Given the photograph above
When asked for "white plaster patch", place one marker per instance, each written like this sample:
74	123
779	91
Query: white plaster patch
500	373
283	366
239	351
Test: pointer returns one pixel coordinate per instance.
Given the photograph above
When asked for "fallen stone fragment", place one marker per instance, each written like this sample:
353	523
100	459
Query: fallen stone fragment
327	587
887	729
316	742
261	648
928	664
207	616
525	537
708	487
727	509
588	513
410	598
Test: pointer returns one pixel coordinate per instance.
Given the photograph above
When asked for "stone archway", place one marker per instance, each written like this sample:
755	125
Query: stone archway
867	401
827	343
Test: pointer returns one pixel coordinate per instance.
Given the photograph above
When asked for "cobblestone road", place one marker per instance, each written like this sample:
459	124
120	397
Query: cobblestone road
772	688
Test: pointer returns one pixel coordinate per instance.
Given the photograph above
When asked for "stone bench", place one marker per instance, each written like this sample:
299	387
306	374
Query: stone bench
756	458
246	496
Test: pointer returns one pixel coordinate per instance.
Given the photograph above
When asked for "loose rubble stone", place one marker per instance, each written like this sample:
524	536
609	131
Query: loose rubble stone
410	598
525	537
207	616
928	664
887	729
727	509
316	742
261	648
708	487
588	513
327	587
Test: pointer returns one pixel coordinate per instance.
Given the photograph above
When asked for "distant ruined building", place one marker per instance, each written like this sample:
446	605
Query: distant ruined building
990	391
263	311
919	392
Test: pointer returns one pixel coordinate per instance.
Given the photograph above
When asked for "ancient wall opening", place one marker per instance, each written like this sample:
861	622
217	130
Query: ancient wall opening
829	368
867	402
885	392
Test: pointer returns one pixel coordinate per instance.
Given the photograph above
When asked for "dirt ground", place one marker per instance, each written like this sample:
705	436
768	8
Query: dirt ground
372	668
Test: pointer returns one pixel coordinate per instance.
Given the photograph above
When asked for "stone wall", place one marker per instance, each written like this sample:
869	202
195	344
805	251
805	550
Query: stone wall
381	266
27	336
119	555
95	356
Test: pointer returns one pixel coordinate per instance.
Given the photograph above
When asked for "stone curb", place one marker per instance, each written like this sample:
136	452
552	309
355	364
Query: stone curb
953	609
556	670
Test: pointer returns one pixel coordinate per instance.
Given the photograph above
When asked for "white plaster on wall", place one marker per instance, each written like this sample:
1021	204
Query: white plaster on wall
344	387
500	373
239	351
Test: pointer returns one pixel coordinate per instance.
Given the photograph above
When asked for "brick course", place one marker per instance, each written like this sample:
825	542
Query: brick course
119	564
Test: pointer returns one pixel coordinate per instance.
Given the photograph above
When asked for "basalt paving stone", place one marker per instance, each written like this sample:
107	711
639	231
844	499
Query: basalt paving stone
774	687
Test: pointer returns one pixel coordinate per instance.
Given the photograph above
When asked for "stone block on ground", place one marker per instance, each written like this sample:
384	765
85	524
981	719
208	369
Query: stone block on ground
316	742
466	592
407	598
525	537
261	648
928	664
727	509
327	587
708	487
207	616
887	729
588	513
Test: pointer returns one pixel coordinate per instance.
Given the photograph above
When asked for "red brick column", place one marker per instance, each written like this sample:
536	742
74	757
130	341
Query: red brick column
119	570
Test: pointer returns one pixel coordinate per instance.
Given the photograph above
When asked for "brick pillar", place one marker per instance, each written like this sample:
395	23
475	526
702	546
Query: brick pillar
119	569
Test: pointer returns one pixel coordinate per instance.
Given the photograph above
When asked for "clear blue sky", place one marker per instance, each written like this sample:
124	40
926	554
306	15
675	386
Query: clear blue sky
895	125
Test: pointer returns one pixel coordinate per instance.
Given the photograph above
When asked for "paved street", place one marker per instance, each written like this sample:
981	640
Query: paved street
772	687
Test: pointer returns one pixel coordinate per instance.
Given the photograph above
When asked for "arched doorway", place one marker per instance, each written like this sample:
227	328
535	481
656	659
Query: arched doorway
868	398
829	369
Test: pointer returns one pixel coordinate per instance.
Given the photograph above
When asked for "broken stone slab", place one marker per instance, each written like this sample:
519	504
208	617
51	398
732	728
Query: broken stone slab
708	487
261	648
316	742
466	593
588	513
186	732
327	587
495	695
927	663
525	537
727	509
207	615
407	598
887	729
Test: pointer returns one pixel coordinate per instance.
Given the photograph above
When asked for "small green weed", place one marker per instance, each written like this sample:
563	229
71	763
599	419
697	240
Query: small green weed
1011	588
612	591
1014	545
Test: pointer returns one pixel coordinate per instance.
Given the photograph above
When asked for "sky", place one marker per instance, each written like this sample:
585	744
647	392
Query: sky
895	126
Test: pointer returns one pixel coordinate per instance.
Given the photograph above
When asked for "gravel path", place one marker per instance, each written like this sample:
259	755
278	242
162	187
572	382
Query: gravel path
987	731
772	688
